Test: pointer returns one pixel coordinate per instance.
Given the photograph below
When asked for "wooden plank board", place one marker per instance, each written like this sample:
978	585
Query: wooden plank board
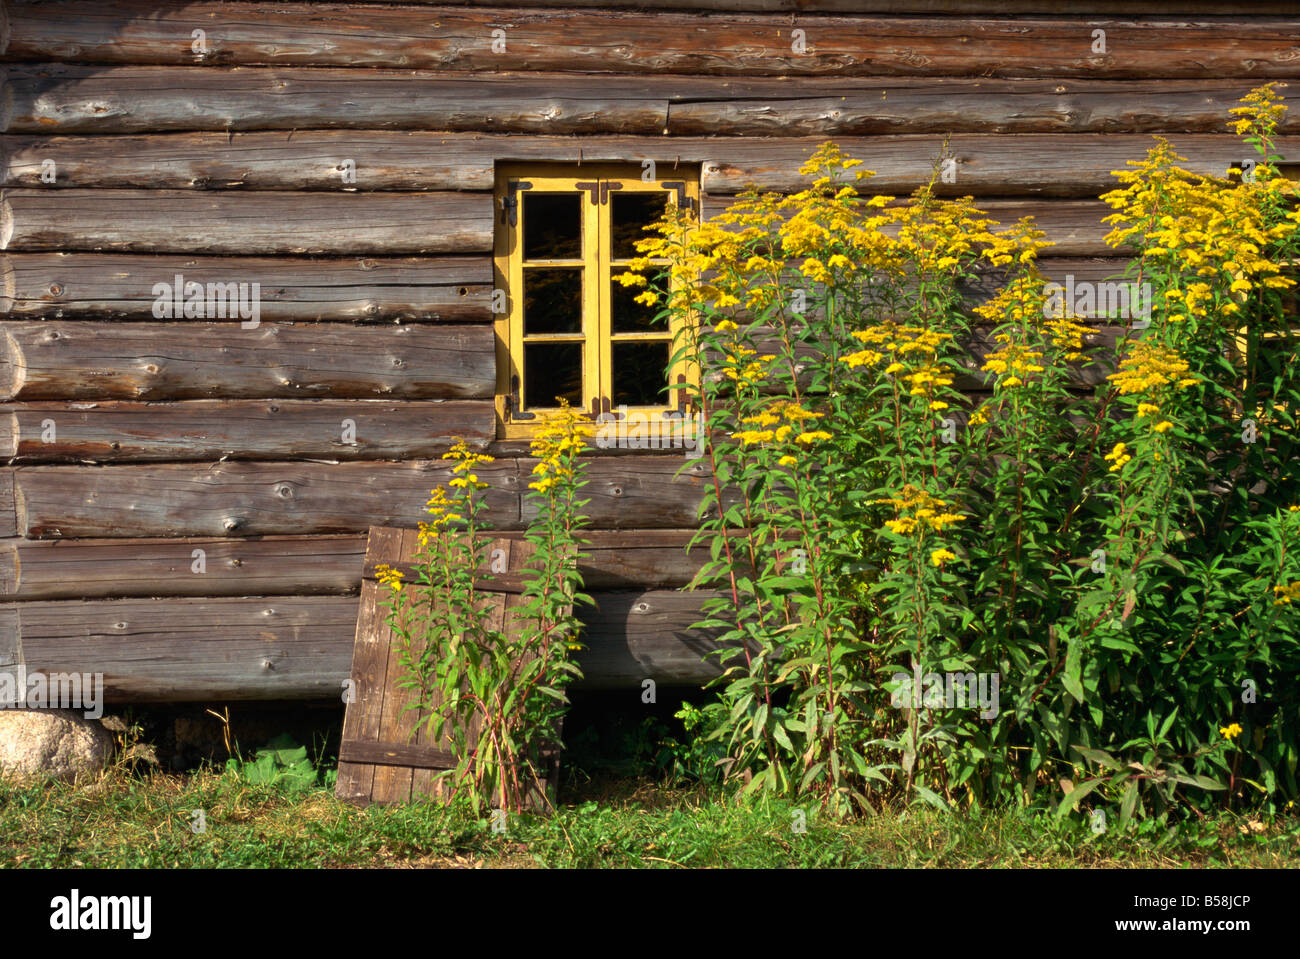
121	432
52	360
383	743
11	653
289	565
243	498
1128	8
200	649
171	221
630	492
86	569
55	99
120	286
351	35
1048	164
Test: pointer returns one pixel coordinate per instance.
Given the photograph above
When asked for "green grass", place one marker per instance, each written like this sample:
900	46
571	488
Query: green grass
120	820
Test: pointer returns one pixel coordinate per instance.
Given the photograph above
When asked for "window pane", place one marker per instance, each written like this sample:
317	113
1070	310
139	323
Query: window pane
552	226
640	373
626	314
552	370
553	300
632	213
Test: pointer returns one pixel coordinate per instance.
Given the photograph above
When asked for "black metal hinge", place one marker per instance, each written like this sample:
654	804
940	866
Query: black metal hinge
510	202
599	191
683	200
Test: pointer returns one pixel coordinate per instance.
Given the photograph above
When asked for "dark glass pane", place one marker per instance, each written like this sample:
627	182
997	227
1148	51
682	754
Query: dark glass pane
552	226
551	370
640	373
553	300
633	212
626	314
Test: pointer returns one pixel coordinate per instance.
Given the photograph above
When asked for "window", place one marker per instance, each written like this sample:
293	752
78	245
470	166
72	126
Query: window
562	234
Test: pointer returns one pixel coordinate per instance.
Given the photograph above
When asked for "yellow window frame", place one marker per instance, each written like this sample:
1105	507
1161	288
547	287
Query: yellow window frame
596	184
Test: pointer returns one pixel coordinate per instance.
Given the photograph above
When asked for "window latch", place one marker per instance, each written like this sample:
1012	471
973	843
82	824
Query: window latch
510	202
513	411
683	201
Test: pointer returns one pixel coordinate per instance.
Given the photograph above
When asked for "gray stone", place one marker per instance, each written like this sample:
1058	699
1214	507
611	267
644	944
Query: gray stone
51	744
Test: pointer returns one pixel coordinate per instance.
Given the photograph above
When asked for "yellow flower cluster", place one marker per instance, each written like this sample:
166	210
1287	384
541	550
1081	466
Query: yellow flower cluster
1285	594
389	577
1118	457
940	556
1149	367
1230	732
1013	358
1260	111
897	343
918	509
777	424
556	444
744	366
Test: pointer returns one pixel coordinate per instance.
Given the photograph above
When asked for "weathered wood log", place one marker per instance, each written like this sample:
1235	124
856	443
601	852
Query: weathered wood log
263	499
123	432
171	221
290	565
300	647
120	286
1075	227
243	498
56	98
1045	164
196	360
8	504
349	35
64	99
1129	8
84	569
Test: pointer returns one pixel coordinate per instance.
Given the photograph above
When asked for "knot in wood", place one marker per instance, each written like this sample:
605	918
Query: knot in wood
56	289
284	491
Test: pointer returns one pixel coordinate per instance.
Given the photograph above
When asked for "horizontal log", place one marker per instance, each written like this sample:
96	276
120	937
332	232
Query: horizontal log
196	566
120	286
243	498
171	221
299	647
290	565
351	35
1129	8
55	99
263	499
54	360
122	432
989	165
10	653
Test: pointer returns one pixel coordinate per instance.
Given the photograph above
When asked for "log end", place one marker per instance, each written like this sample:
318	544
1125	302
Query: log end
9	435
6	221
9	525
12	367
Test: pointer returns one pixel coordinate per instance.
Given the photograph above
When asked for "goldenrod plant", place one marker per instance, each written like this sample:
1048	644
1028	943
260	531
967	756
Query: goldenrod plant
972	550
495	688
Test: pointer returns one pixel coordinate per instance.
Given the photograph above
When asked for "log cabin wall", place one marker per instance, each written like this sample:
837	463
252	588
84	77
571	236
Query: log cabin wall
180	506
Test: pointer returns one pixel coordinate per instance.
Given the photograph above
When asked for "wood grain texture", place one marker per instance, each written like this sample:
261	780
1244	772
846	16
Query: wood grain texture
54	360
55	99
351	35
86	569
631	492
172	221
8	503
11	653
987	165
301	647
1128	8
289	565
121	432
120	286
243	499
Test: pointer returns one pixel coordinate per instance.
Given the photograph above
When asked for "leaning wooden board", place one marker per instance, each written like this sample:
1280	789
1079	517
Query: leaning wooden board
383	757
